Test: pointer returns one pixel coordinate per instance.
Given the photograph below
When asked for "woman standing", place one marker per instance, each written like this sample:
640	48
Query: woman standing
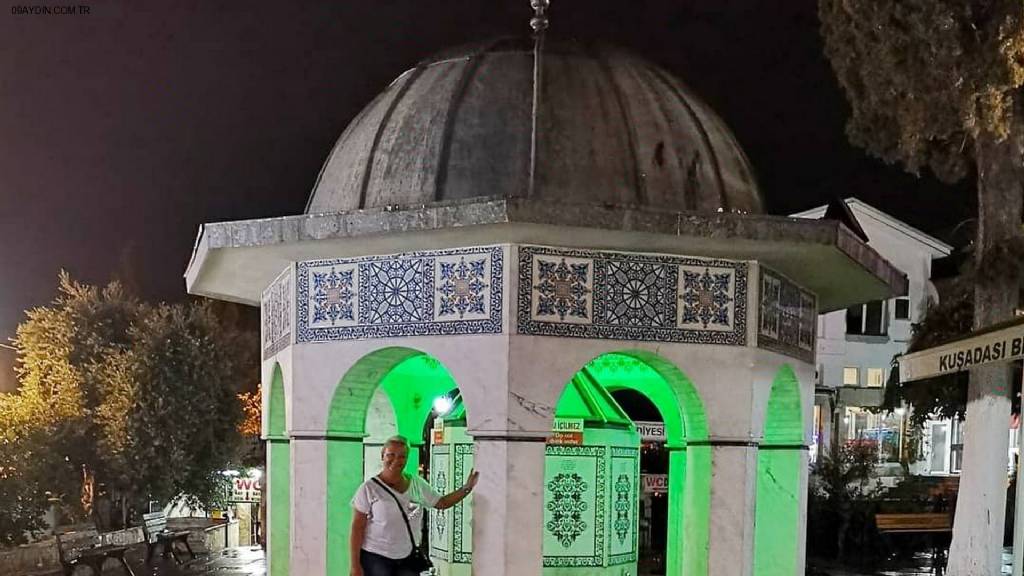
380	543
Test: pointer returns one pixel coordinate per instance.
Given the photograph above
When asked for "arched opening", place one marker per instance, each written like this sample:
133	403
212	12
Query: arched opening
390	390
451	459
654	473
681	410
591	482
279	477
780	461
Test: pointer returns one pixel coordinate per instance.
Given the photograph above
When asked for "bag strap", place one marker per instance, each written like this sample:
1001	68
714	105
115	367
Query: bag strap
401	508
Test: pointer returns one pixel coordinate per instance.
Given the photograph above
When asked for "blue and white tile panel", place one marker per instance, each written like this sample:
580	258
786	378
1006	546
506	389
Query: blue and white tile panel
276	310
620	296
440	292
788	317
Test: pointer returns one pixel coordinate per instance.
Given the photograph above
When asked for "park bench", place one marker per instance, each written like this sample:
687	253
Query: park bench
154	526
937	524
86	548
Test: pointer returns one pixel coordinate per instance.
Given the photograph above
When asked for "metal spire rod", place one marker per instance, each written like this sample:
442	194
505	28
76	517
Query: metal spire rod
539	22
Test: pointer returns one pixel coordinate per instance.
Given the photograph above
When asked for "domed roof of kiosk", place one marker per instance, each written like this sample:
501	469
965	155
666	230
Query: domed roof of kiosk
568	122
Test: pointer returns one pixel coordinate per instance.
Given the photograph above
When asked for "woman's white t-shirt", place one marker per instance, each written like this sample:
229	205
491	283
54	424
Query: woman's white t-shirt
385	529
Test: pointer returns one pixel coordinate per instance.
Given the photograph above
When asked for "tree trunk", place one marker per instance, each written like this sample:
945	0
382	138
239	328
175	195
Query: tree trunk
981	503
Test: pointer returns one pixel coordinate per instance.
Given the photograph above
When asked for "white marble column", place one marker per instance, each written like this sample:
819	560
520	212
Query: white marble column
508	506
733	492
309	507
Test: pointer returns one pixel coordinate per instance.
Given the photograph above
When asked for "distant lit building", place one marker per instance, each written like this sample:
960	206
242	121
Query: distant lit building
856	346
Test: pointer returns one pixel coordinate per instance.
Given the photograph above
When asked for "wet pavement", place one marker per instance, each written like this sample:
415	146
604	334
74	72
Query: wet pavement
921	565
231	562
249	561
246	561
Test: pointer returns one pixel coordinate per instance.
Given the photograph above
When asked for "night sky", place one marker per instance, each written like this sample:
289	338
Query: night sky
122	130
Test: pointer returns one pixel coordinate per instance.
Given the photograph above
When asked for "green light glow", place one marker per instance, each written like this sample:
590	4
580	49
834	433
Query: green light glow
343	478
682	411
279	478
676	534
697	505
411	381
412	387
584	397
777	517
276	409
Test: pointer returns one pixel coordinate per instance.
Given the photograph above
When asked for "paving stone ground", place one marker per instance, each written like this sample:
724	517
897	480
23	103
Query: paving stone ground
246	561
920	566
249	561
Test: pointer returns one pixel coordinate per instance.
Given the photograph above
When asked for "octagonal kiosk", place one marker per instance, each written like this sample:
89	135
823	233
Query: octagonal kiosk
516	209
591	487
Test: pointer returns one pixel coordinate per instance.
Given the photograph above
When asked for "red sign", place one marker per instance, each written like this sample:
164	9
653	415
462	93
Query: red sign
245	490
566	438
654	483
438	436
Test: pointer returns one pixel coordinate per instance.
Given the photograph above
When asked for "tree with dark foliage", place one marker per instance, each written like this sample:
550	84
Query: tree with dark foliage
937	84
122	402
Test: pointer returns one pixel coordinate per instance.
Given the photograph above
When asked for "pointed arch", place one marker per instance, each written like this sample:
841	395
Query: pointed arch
780	464
784	421
410	379
682	410
278	477
276	407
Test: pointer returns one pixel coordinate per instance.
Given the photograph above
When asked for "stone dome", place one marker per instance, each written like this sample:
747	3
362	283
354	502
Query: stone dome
569	123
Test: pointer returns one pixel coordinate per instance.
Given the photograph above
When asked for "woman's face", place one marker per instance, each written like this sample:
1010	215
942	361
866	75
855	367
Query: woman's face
394	457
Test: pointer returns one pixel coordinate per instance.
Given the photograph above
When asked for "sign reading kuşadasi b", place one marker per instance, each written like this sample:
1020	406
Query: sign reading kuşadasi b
994	345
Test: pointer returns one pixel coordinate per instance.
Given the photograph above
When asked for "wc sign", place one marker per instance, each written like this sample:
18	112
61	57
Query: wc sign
654	483
245	489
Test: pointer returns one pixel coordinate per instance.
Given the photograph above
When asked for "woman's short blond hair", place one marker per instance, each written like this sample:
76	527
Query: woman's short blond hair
396	440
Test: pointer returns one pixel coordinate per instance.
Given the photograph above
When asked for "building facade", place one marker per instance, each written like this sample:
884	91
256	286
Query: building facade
856	346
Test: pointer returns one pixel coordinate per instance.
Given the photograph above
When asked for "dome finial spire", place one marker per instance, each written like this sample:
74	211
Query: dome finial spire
539	22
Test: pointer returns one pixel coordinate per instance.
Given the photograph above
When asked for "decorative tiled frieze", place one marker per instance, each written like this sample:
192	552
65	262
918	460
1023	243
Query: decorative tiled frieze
463	287
788	317
276	310
625	478
621	296
706	298
462	531
440	524
636	293
575	479
441	292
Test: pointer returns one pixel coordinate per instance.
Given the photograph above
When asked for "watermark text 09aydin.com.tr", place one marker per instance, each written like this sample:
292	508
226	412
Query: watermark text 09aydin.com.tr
50	10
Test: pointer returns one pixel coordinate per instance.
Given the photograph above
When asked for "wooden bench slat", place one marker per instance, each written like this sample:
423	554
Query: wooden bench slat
920	522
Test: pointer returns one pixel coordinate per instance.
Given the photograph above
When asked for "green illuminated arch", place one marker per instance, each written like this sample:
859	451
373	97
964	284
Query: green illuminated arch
779	467
279	477
682	411
411	380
